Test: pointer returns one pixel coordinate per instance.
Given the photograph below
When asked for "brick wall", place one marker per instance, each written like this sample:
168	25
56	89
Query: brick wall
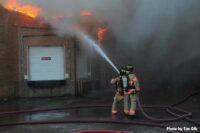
6	82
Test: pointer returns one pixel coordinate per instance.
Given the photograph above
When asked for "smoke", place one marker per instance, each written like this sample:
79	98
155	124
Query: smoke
160	31
137	24
151	34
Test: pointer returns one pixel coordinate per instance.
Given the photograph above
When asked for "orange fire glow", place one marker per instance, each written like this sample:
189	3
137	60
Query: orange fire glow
85	13
100	33
29	10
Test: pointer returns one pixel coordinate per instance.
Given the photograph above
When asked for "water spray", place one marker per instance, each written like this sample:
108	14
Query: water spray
85	38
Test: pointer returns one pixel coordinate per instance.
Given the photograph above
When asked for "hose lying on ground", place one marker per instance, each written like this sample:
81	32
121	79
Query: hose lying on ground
169	110
144	123
154	122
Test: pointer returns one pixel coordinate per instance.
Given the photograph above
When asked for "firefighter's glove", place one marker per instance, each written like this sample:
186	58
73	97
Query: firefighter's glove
113	81
134	91
129	92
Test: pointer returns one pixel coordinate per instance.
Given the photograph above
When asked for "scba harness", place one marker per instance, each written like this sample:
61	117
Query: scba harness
124	85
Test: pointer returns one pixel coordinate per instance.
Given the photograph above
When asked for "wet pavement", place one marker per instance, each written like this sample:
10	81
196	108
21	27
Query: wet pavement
98	113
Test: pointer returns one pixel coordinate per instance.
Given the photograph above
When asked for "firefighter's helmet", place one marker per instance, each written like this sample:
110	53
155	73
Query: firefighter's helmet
129	68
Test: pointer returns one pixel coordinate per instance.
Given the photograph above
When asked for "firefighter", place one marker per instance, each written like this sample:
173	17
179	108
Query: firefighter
133	89
121	84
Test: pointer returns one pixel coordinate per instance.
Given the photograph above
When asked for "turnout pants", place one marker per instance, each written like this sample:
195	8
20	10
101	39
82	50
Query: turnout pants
117	99
133	103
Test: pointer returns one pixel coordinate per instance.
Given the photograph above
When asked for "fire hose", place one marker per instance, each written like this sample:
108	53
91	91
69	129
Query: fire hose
161	123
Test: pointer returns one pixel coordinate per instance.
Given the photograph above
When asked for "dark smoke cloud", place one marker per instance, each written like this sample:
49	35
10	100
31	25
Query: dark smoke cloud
161	30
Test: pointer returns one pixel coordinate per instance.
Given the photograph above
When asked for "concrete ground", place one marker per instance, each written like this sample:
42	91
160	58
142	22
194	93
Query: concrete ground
96	97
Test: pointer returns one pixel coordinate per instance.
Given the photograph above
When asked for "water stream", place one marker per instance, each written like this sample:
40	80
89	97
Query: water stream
88	40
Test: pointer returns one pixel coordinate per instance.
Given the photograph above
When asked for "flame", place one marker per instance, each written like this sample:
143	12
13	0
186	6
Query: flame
100	33
85	13
29	10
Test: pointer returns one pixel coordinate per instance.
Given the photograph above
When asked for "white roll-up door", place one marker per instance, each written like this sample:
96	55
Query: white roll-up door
46	63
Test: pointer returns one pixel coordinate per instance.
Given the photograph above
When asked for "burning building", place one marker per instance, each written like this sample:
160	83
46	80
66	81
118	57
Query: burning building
35	62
